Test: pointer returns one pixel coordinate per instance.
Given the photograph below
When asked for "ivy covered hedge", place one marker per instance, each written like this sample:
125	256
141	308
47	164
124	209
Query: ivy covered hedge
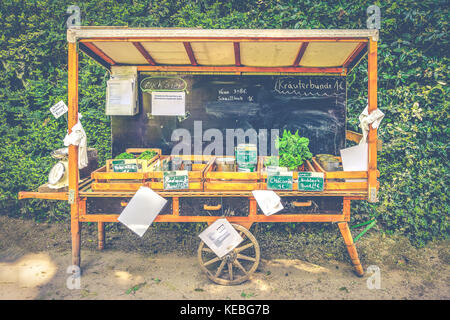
412	92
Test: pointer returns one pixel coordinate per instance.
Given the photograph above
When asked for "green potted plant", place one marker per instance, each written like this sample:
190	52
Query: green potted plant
293	150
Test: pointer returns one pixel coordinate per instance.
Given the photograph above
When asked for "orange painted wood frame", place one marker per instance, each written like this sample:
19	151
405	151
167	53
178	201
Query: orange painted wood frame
372	136
73	194
78	208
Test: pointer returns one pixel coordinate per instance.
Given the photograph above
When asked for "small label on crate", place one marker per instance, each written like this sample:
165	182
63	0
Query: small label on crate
310	181
122	166
176	180
279	180
246	154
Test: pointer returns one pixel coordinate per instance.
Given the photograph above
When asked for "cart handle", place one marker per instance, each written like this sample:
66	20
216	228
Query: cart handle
212	208
302	204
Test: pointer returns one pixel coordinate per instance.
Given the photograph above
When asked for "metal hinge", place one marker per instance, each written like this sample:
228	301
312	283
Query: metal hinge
373	195
71	198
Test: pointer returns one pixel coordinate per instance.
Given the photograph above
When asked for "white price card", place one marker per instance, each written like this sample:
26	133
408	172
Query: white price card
221	237
59	109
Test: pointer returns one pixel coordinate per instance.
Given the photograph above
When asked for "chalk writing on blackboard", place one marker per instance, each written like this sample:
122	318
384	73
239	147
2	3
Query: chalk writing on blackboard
234	94
309	87
150	84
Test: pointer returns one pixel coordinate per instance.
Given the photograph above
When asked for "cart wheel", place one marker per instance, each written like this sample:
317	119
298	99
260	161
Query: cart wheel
235	267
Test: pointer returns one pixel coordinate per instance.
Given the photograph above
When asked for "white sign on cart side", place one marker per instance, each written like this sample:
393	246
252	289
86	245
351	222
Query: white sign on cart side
221	237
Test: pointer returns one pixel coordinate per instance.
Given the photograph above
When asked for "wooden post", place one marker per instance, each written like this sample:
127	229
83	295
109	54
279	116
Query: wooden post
74	199
372	136
101	235
346	234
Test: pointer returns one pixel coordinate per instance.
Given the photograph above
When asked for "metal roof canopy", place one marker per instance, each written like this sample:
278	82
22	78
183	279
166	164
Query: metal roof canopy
225	50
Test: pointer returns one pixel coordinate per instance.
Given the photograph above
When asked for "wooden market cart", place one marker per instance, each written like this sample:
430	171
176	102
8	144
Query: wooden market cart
226	52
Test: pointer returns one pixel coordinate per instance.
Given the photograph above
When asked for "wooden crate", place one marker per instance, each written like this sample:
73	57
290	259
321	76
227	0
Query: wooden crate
237	181
199	165
144	164
104	179
333	180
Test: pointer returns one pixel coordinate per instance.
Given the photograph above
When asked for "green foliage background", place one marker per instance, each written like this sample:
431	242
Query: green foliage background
413	91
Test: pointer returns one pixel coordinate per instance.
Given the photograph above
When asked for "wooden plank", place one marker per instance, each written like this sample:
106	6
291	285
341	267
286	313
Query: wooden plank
300	54
209	185
345	185
190	53
41	195
144	53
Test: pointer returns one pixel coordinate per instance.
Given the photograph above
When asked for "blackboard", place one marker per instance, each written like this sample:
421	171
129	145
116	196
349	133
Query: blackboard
314	105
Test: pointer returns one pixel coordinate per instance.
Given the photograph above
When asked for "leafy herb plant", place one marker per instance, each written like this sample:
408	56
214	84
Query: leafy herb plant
147	155
125	155
293	150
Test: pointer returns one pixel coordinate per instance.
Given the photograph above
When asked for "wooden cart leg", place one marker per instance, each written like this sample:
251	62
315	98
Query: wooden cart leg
101	235
76	242
345	231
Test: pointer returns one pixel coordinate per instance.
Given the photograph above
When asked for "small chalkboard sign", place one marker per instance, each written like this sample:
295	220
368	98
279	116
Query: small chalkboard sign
279	180
123	166
310	181
176	180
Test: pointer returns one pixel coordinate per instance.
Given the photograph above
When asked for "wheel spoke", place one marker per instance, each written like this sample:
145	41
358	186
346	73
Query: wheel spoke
242	234
219	270
244	257
239	249
230	270
239	265
205	249
207	263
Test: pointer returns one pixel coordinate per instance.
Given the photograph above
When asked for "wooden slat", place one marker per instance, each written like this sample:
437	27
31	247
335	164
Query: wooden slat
237	53
345	185
234	219
331	70
227	193
100	53
145	53
190	53
300	54
354	54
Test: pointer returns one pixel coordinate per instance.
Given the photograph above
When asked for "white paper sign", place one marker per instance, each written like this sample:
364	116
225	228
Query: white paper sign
142	209
268	201
168	103
221	237
355	159
59	109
